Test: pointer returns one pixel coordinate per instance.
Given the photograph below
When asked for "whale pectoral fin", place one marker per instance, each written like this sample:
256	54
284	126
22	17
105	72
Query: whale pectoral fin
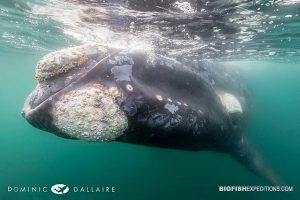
248	156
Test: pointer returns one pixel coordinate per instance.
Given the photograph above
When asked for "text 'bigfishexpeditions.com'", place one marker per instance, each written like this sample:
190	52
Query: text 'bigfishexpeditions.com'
256	188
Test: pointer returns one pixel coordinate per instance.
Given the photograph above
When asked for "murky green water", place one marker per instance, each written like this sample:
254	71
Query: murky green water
30	157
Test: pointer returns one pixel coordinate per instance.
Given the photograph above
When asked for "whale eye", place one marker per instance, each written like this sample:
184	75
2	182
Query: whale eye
63	61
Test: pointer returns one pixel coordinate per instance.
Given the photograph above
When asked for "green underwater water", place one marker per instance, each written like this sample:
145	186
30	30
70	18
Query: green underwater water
31	157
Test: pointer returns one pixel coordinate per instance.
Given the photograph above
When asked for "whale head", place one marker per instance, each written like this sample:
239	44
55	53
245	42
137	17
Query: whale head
70	105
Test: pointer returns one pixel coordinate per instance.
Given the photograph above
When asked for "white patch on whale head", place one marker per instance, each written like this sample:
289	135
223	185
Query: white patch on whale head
159	98
90	113
230	103
129	87
172	108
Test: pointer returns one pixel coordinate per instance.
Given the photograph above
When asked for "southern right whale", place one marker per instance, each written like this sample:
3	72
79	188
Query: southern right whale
99	94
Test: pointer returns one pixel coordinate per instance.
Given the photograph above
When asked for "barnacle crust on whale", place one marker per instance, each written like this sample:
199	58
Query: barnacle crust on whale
90	113
62	61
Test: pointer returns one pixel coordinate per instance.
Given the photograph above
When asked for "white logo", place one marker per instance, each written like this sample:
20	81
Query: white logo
60	189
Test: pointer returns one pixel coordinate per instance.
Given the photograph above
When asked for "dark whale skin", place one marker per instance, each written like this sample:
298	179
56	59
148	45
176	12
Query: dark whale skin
169	105
194	119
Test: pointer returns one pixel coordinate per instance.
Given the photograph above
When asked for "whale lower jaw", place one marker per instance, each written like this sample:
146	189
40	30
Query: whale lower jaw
90	113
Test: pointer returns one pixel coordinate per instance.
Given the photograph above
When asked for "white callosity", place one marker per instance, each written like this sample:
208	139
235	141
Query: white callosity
62	61
185	7
230	103
90	113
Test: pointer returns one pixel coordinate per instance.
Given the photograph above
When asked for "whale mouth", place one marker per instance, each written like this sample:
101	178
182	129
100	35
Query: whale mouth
88	112
64	104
